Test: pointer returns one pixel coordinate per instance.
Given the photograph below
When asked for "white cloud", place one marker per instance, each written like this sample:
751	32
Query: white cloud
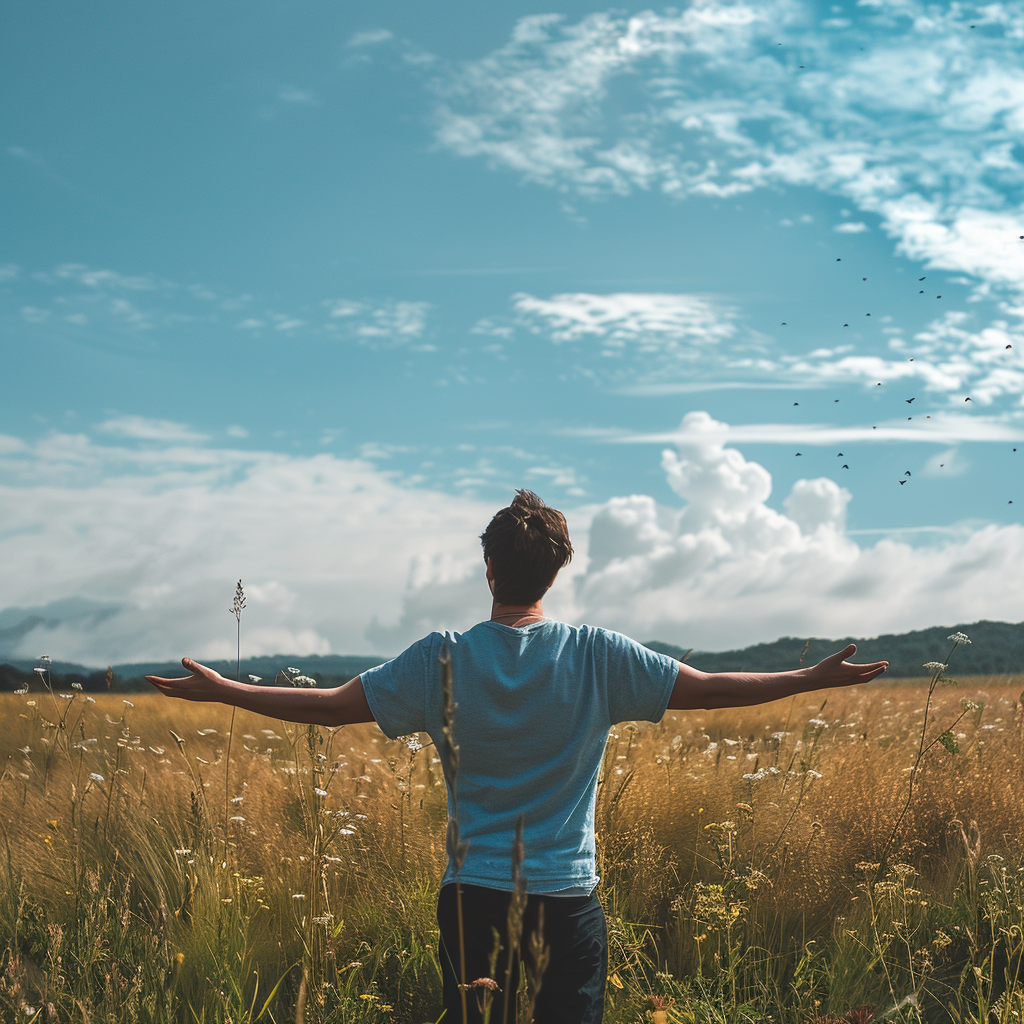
293	94
649	321
851	227
158	535
726	570
906	113
370	37
672	343
145	429
337	555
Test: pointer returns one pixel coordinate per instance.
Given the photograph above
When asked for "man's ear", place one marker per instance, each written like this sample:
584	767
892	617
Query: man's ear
490	574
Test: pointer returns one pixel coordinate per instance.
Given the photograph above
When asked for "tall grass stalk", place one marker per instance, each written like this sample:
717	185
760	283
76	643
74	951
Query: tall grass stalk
237	605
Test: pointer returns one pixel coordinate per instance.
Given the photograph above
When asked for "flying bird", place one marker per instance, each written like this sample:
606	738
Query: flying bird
799	453
967	399
903	481
796	403
846	325
845	466
840	455
907	473
920	279
908	400
938	296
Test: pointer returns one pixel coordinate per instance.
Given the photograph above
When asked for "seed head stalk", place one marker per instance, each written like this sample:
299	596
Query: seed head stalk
939	669
236	609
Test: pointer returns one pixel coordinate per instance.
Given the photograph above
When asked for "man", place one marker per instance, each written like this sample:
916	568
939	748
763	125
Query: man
531	705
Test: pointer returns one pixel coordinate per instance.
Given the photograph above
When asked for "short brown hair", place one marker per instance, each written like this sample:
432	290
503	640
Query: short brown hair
528	542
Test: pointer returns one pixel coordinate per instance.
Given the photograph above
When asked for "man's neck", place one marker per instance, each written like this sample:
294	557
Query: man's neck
516	614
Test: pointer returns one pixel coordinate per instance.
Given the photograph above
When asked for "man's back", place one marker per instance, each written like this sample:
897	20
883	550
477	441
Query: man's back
533	708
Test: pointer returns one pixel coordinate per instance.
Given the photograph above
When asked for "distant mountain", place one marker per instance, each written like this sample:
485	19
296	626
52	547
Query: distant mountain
995	648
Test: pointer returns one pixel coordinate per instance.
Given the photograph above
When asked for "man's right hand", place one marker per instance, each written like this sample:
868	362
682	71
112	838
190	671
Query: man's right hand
203	684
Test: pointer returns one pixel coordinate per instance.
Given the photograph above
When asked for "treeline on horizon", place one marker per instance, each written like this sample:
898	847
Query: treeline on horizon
996	648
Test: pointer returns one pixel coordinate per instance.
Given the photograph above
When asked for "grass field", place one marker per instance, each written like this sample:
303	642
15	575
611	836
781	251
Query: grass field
750	867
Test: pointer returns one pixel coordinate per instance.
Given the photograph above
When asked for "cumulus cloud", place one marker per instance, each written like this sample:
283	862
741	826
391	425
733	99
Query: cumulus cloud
339	556
725	569
905	112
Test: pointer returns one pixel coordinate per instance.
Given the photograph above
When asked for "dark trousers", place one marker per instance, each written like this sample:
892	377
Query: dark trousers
572	985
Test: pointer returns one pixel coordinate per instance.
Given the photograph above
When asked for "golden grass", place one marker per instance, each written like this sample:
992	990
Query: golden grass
720	833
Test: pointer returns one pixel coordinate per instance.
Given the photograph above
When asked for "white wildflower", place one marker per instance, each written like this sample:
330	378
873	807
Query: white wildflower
21	691
818	723
959	638
238	819
41	672
237	799
255	679
127	703
96	777
184	851
294	671
934	666
812	774
298	895
320	792
206	732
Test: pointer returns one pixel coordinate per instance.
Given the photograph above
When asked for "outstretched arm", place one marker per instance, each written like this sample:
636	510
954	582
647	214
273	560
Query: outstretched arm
696	689
340	705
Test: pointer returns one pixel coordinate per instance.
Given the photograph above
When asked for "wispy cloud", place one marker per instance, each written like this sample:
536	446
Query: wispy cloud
679	343
905	111
944	429
143	429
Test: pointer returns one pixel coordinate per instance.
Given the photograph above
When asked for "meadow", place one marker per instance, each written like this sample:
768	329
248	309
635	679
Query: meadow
827	857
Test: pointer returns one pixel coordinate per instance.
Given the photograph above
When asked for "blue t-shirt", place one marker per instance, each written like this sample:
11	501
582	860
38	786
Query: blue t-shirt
533	710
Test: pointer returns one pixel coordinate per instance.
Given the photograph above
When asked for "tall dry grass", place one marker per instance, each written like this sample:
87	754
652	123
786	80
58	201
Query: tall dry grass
739	852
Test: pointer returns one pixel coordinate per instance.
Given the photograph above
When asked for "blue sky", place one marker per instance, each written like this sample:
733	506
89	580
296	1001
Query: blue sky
301	292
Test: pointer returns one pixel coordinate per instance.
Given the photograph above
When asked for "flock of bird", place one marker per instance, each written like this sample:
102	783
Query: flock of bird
909	401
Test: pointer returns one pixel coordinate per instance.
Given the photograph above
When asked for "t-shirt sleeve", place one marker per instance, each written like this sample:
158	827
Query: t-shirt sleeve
639	680
396	690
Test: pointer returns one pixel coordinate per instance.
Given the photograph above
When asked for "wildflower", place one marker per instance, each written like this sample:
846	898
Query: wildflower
21	691
237	799
970	705
96	777
306	681
959	638
25	750
294	671
238	819
412	742
183	852
818	723
206	732
811	773
41	672
298	895
127	703
255	679
320	792
934	666
91	700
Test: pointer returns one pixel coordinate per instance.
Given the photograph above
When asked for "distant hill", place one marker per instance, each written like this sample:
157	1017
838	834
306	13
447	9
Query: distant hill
996	648
328	669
